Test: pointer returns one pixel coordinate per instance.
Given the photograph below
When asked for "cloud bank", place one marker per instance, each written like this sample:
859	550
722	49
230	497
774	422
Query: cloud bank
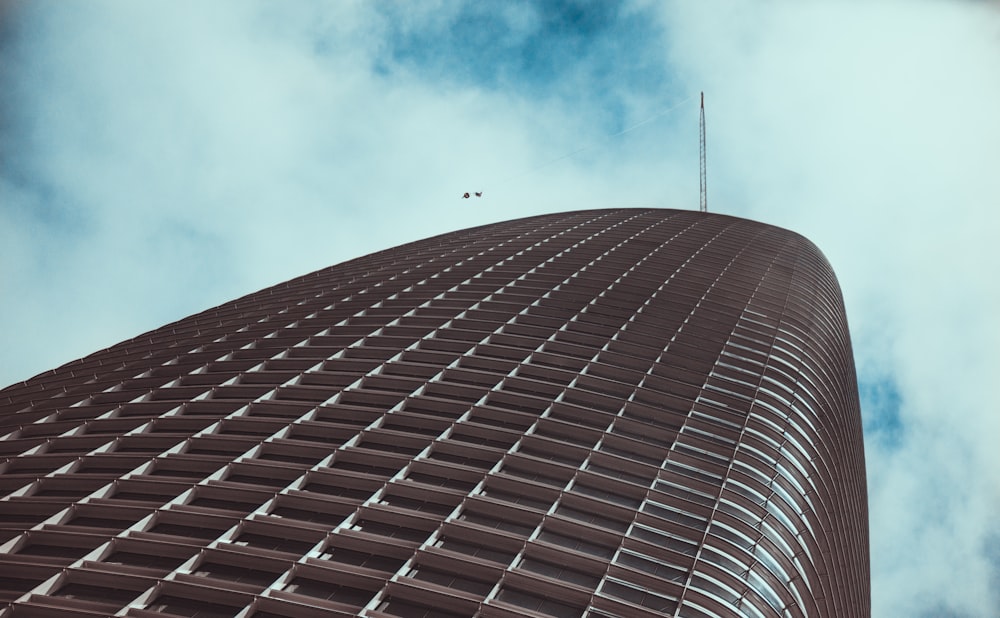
159	158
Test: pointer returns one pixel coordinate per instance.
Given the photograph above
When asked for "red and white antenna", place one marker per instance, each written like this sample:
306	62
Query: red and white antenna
703	205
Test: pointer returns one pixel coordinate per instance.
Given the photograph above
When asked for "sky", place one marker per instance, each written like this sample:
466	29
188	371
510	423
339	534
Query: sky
160	158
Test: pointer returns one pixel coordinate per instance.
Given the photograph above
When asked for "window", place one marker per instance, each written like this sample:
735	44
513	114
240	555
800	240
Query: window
557	571
507	496
107	596
493	522
486	553
236	574
451	580
404	609
152	560
638	596
591	517
424	506
291	546
659	569
364	559
331	592
539	604
390	530
192	608
315	516
603	494
575	544
664	539
195	532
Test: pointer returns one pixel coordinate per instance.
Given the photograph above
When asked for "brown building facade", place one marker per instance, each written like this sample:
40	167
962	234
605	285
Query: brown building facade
599	413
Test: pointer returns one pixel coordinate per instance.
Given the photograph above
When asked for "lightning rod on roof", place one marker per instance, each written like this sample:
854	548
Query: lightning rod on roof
703	204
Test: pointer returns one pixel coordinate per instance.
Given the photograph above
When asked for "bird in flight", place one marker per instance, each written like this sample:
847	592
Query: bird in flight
468	195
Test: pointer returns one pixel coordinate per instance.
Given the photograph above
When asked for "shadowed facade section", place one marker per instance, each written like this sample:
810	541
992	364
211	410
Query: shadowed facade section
599	413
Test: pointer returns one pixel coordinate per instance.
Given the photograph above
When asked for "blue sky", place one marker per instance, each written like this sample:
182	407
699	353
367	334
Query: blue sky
159	158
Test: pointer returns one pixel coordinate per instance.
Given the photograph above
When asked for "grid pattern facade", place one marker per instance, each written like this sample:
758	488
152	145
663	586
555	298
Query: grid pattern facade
599	413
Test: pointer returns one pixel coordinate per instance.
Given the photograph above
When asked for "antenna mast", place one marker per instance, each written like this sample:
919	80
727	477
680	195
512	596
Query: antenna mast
703	206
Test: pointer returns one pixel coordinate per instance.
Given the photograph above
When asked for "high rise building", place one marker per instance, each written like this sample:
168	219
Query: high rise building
600	413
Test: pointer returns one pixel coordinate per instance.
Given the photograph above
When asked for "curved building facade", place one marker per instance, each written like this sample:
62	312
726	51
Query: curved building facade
598	413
